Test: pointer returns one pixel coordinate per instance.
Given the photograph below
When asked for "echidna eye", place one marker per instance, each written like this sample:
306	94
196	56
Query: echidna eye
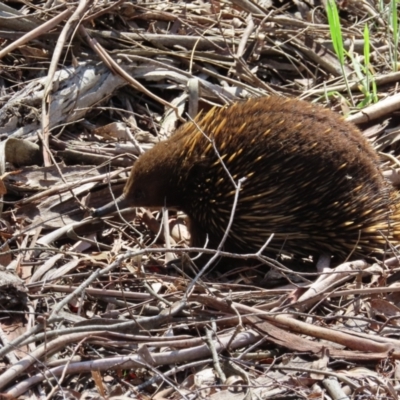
139	195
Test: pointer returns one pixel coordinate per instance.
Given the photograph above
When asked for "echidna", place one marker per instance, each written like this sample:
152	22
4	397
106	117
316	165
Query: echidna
312	180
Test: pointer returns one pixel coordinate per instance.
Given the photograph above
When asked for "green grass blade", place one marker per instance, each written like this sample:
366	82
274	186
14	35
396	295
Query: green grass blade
395	30
335	30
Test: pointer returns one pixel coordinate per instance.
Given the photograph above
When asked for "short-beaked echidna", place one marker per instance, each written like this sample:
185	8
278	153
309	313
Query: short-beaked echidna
312	180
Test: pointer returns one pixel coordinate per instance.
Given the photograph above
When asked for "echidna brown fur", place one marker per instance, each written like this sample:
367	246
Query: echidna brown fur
312	180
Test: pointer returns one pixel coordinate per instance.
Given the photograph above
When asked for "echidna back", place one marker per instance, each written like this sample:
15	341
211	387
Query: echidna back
312	180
